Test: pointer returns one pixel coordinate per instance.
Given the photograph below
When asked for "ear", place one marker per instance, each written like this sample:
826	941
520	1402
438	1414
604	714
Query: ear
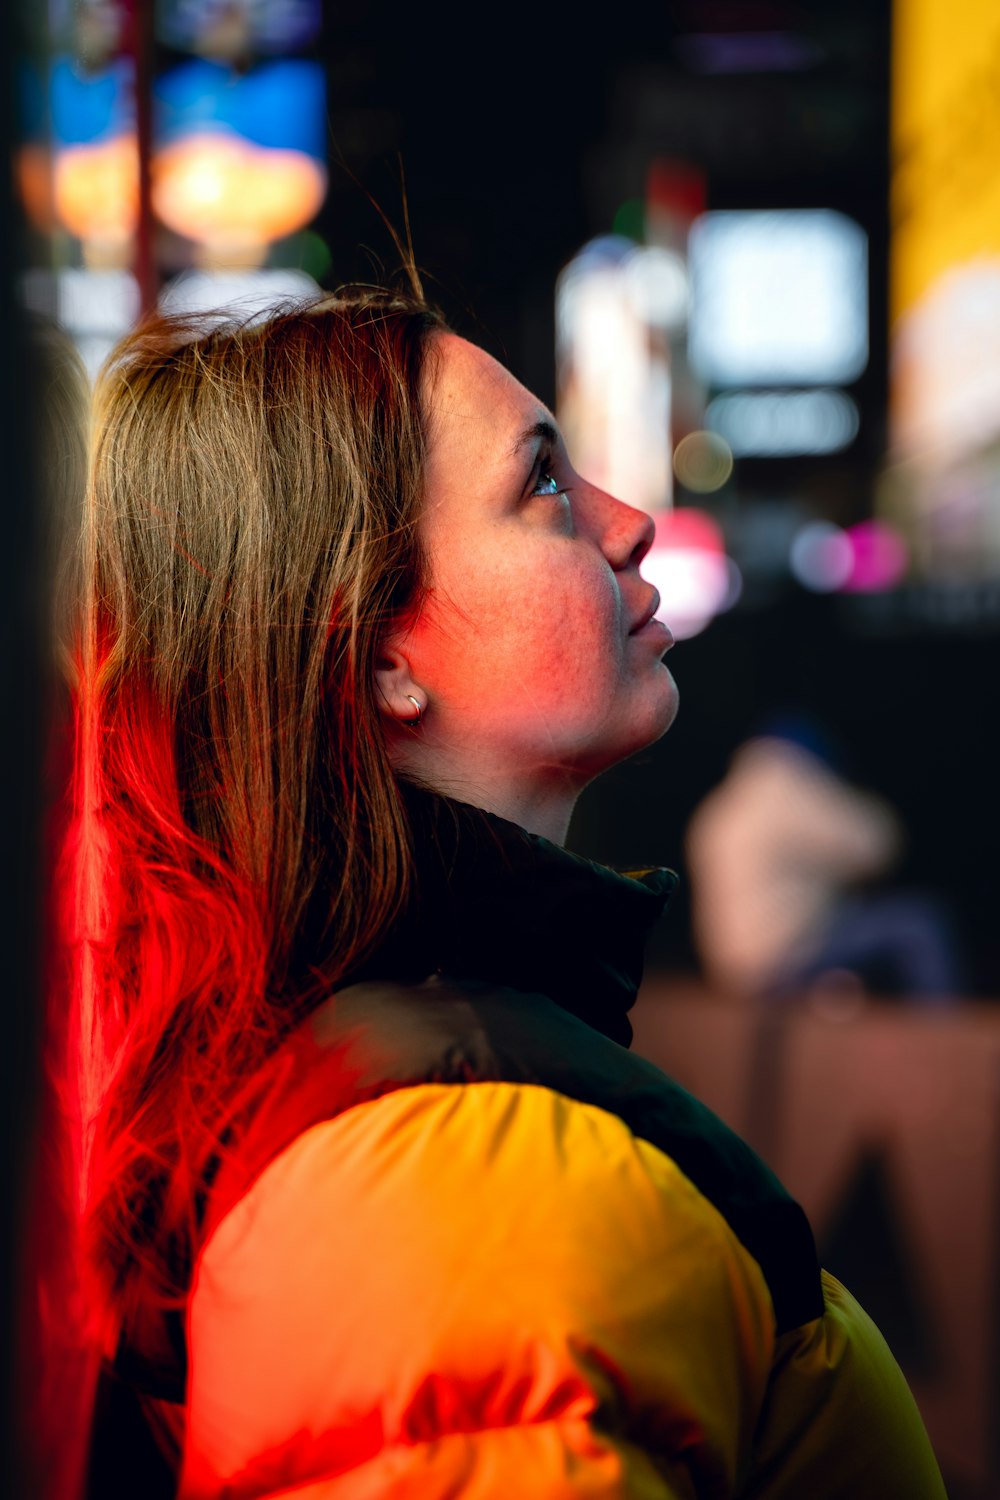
398	693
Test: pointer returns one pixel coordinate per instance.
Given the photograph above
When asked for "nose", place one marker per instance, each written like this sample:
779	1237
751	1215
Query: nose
628	534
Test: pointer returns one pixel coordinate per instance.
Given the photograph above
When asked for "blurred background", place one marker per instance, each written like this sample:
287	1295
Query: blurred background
749	251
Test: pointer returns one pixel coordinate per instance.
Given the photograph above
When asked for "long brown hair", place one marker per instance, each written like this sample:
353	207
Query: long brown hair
249	530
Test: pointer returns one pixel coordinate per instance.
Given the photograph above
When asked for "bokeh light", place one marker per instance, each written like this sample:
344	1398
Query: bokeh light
657	282
232	194
91	159
879	557
869	557
821	557
774	424
703	461
239	155
613	375
687	563
247	293
778	297
96	190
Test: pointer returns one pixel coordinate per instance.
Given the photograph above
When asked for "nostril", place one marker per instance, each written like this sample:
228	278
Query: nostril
645	541
628	533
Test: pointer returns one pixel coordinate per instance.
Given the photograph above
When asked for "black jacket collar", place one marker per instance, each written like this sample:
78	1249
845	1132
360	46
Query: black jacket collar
496	903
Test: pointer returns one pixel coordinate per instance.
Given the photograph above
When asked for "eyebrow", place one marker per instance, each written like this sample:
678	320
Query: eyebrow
543	430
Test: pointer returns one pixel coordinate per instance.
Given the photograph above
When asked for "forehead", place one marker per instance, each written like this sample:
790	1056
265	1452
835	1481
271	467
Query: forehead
472	400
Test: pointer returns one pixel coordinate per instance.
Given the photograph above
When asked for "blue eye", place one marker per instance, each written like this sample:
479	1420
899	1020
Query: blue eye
546	484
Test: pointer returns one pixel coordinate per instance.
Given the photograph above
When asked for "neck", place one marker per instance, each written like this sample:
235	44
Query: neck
540	810
498	904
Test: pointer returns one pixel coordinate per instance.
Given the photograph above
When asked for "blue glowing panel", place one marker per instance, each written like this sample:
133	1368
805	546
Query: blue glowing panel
279	105
778	297
88	108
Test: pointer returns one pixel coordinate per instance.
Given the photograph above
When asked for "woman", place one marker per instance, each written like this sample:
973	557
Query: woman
377	1201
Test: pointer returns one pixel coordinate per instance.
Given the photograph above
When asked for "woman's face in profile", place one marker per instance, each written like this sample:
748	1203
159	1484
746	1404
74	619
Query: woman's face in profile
532	641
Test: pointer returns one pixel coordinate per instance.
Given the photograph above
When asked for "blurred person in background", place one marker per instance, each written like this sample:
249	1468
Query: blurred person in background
781	855
373	1198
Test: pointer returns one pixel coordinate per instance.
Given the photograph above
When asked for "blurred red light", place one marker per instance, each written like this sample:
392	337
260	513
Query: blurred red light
688	528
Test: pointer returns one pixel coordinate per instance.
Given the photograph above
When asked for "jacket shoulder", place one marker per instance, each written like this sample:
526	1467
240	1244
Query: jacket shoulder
506	1279
377	1037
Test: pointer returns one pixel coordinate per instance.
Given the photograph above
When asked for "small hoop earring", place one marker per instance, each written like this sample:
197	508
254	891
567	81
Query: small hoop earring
412	723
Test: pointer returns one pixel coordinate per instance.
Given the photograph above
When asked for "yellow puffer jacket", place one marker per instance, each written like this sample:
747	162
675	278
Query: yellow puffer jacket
473	1247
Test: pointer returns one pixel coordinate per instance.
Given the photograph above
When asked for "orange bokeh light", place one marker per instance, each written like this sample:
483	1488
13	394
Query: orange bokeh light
223	189
96	188
33	173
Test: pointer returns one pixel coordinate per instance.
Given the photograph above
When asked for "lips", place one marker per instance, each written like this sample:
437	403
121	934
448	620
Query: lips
647	615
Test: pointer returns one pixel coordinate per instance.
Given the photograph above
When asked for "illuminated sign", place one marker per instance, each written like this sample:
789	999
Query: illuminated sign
238	161
945	256
778	297
613	373
772	424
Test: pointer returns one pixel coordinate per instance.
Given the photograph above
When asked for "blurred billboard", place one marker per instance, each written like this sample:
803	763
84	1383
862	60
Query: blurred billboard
943	483
170	153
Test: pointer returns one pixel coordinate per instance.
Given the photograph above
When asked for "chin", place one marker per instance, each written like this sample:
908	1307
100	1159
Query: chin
663	712
673	700
647	724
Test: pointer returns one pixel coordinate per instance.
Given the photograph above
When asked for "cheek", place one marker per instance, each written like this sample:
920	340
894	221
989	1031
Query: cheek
556	635
525	618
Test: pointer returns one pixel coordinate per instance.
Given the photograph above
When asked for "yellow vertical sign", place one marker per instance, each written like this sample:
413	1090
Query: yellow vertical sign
945	141
945	211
